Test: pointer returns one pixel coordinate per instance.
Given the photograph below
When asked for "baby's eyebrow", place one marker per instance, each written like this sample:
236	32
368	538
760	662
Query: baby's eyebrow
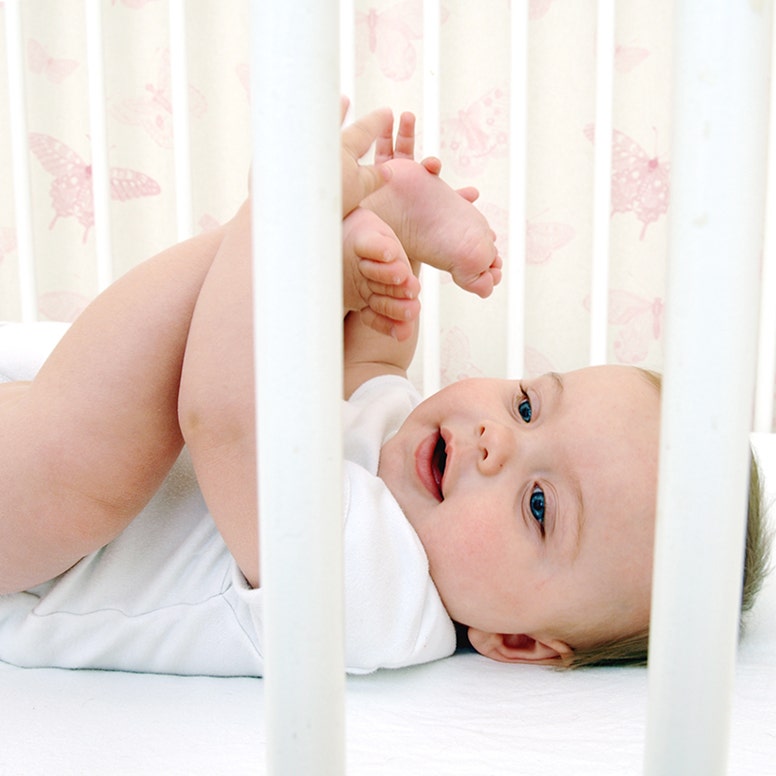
558	380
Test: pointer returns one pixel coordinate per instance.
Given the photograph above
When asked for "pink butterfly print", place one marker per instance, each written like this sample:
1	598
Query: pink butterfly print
638	323
627	58
134	4
536	363
62	305
7	241
71	189
538	8
456	357
640	183
478	133
154	112
243	72
389	36
39	62
543	238
207	223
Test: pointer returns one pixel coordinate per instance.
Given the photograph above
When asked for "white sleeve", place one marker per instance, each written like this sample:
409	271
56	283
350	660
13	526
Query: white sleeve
394	616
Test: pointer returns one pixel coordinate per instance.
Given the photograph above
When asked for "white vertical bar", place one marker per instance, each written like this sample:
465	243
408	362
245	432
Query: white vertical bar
714	250
20	160
99	144
181	122
430	321
766	362
518	130
297	216
348	52
602	182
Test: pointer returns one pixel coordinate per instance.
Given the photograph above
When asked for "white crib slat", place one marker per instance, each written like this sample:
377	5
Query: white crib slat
711	321
348	52
99	144
518	131
298	339
602	182
181	121
766	362
20	161
430	322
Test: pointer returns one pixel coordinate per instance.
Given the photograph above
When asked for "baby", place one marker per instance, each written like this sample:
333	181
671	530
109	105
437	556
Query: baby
522	511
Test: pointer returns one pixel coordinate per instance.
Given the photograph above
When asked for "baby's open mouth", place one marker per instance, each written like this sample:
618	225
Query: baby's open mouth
430	462
438	462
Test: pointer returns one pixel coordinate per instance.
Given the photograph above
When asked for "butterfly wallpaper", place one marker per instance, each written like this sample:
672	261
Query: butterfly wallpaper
472	140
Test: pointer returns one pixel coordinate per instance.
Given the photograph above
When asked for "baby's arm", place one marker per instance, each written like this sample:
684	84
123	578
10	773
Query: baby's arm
87	442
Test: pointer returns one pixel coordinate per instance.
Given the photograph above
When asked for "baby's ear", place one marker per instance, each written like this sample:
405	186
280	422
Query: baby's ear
520	648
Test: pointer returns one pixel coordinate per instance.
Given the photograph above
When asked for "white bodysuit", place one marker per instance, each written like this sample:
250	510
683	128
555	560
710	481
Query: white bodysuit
167	597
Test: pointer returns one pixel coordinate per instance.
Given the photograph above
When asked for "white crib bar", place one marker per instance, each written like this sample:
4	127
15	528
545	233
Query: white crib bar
429	324
720	98
181	124
20	161
766	361
99	144
602	182
514	274
297	256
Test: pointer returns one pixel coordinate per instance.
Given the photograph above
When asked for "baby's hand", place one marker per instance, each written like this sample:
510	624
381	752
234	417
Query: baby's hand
378	280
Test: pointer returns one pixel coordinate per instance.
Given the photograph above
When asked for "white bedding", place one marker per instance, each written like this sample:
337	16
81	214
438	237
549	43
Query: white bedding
462	716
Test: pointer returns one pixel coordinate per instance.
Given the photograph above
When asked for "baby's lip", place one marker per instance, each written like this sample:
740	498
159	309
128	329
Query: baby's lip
430	462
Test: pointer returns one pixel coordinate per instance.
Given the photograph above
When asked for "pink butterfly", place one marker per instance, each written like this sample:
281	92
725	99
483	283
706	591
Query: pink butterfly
7	241
478	133
640	183
62	305
134	4
638	322
389	36
39	62
456	357
71	189
627	58
543	238
154	112
536	363
208	222
243	72
538	8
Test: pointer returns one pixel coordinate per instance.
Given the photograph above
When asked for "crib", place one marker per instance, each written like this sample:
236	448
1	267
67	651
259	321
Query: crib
128	126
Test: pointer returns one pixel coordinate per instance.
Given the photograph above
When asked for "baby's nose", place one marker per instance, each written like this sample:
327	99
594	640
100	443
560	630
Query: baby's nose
495	444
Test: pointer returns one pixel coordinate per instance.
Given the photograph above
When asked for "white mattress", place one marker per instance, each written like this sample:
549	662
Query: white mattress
463	716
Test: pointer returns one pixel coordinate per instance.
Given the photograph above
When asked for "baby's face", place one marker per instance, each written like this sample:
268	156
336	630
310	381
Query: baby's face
535	503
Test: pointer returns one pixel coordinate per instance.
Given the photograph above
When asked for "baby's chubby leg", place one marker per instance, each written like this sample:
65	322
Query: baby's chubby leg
378	279
85	445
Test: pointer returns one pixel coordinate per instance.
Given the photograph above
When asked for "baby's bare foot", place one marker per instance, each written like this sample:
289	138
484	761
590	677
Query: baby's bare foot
377	276
439	226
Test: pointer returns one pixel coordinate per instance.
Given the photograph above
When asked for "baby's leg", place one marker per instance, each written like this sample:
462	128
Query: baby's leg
86	444
378	279
216	402
437	225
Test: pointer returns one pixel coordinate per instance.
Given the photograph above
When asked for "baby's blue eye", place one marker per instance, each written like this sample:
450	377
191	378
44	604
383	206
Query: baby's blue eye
537	506
524	410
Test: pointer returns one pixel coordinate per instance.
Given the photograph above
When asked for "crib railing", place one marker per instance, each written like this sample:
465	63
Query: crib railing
305	689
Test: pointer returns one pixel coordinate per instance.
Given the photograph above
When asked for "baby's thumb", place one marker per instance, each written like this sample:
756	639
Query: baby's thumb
370	178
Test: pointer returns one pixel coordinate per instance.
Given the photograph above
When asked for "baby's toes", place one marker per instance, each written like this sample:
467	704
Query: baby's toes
390	278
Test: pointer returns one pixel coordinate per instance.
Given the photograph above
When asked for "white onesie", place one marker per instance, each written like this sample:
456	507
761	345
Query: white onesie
167	597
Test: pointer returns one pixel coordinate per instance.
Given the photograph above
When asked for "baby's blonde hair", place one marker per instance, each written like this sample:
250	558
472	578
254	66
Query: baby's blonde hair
633	649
